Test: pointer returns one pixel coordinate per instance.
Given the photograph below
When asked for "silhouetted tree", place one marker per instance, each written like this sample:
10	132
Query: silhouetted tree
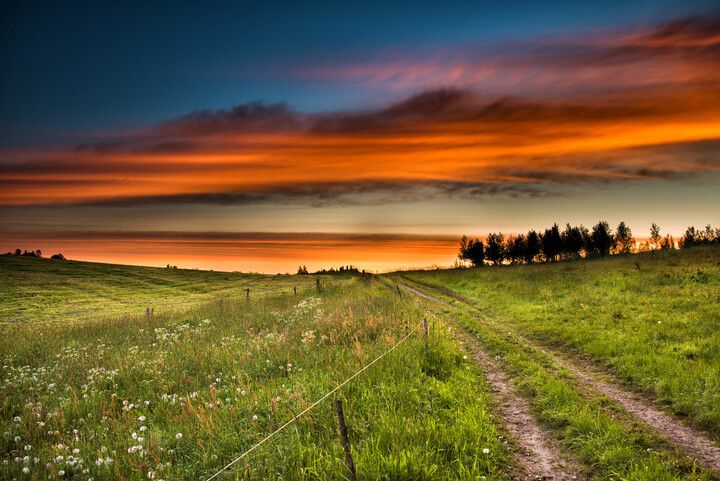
58	256
495	248
532	247
18	252
602	239
668	242
515	248
655	236
623	239
551	243
690	238
302	270
472	250
573	241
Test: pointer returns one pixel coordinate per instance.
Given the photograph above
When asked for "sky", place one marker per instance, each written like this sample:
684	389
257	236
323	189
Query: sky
263	137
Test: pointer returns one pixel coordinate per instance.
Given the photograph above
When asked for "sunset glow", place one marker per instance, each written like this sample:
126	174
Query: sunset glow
447	136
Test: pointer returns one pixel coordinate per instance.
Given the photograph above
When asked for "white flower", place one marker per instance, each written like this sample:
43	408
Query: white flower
76	451
178	436
486	451
26	470
99	461
140	439
464	357
134	435
242	393
28	447
143	428
17	439
254	417
108	461
61	473
141	418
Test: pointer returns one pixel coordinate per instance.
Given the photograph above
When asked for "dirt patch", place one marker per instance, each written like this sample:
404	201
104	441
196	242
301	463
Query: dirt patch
692	441
539	456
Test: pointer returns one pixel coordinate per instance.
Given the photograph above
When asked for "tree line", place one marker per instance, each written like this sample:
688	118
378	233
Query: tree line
36	253
573	242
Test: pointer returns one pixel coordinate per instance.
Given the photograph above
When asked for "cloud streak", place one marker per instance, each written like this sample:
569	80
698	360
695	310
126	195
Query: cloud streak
609	107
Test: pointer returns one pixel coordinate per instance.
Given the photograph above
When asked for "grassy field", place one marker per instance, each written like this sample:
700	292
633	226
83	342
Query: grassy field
113	394
652	319
178	396
49	290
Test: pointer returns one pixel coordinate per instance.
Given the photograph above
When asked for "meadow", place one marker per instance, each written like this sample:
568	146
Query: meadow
651	319
51	290
180	395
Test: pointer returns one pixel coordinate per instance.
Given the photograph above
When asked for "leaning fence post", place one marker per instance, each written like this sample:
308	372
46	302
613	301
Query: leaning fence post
344	436
399	293
248	293
426	328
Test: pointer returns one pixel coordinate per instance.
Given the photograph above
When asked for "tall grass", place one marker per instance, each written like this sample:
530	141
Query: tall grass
178	397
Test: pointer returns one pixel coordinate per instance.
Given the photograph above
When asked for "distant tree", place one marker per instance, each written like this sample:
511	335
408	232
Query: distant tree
668	242
58	256
532	247
655	236
302	270
495	248
551	243
38	253
515	248
690	238
573	241
18	252
601	238
472	250
623	239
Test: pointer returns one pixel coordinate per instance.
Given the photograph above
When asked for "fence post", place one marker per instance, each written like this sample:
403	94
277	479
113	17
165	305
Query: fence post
398	289
147	312
406	327
317	284
427	330
346	443
295	290
248	293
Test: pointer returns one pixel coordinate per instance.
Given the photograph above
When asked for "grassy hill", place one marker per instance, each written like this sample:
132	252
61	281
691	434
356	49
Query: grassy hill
51	290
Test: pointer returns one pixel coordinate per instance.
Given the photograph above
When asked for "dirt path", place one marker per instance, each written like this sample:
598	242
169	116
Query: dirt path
538	458
689	440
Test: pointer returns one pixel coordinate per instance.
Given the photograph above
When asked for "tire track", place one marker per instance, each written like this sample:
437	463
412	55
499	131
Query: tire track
690	440
539	457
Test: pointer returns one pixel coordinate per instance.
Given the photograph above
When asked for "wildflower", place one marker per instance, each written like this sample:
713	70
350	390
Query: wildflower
141	418
178	436
26	470
76	451
61	473
100	461
17	439
242	393
109	461
28	447
486	451
464	357
255	417
140	439
134	435
143	428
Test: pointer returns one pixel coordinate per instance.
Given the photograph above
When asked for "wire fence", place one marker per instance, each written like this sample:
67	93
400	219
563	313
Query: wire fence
278	430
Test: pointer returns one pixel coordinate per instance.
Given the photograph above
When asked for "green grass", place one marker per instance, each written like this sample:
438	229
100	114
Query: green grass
50	290
652	319
609	445
226	374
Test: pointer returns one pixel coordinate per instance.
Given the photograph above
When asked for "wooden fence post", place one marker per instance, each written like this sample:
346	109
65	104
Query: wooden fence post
346	442
398	289
406	327
427	330
317	284
295	290
248	293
